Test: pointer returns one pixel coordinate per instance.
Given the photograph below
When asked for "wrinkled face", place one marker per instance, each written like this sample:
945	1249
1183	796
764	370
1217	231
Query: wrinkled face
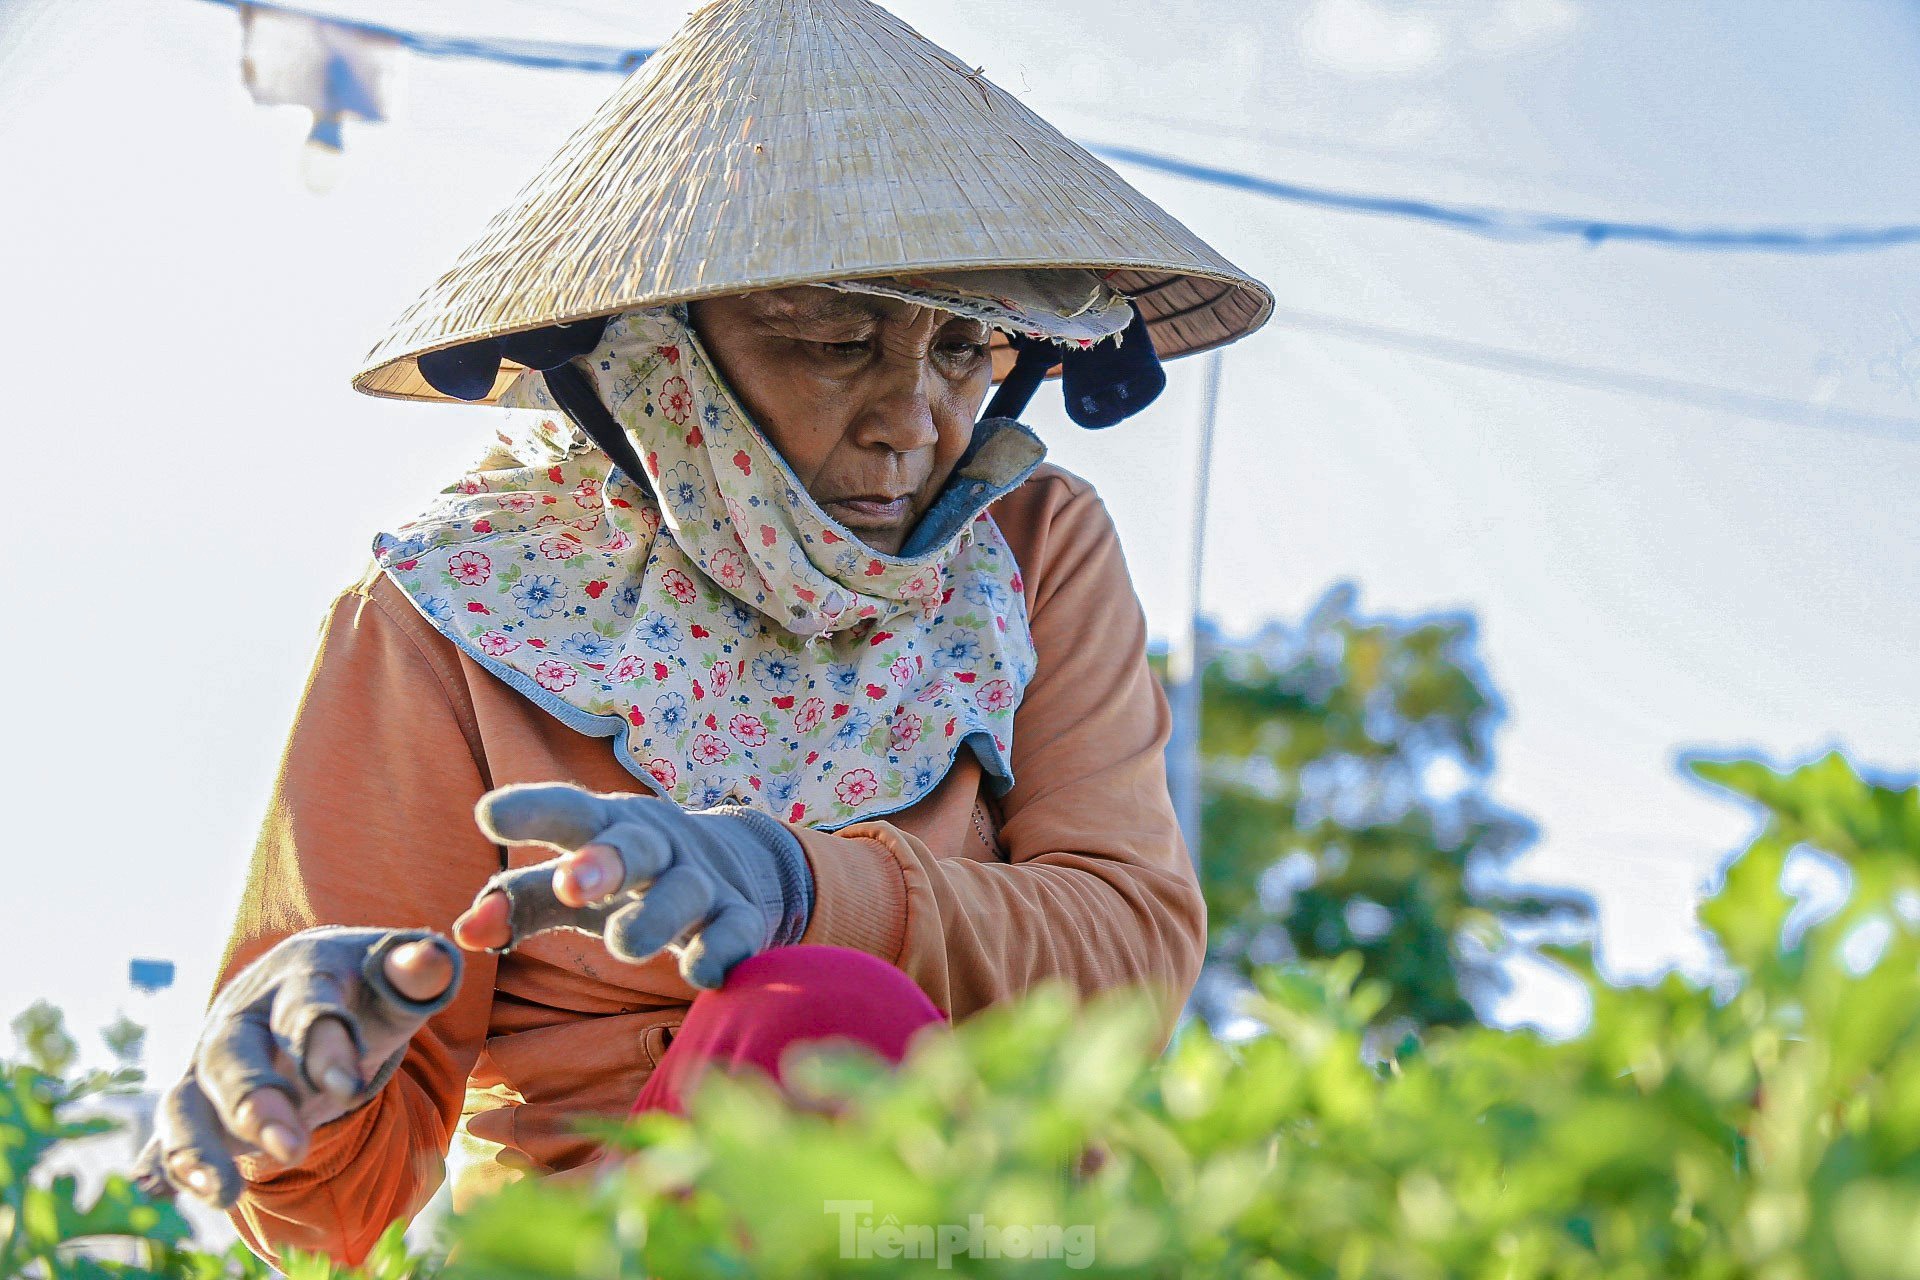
870	400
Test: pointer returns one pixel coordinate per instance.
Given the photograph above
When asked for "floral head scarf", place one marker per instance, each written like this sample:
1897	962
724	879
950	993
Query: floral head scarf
738	644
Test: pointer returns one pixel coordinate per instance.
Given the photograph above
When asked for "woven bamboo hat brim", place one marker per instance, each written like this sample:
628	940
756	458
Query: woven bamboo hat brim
782	142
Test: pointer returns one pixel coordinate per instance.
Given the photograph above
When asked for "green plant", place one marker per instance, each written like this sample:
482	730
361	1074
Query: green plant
43	1221
1765	1124
47	1228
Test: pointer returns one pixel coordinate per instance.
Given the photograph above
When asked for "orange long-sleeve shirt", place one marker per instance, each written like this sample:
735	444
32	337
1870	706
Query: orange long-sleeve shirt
1077	872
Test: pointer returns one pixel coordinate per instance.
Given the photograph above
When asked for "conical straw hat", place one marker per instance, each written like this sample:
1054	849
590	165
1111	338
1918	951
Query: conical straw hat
782	142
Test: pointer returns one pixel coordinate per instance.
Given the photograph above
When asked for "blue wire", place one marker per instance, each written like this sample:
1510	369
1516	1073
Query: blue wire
1509	224
543	54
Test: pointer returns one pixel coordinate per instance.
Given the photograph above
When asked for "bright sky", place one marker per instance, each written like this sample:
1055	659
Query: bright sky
196	479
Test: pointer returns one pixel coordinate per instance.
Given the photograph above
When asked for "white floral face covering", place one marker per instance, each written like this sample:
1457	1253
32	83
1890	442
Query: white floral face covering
738	644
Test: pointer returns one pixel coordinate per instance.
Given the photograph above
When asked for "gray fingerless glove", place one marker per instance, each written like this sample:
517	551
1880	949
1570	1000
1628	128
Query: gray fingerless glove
268	1013
715	886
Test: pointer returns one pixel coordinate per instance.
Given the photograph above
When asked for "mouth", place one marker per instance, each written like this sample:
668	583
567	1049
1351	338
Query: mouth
871	510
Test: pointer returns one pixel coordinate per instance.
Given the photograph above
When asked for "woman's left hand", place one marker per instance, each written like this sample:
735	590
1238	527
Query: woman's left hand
712	887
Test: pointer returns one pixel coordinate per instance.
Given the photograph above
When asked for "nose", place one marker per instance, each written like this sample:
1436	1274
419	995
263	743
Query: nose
898	414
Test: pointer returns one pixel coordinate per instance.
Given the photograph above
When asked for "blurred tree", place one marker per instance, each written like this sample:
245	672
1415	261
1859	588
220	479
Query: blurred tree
126	1040
1345	764
44	1043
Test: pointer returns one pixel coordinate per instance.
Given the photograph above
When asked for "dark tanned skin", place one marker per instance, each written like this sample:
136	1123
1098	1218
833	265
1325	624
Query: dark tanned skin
871	401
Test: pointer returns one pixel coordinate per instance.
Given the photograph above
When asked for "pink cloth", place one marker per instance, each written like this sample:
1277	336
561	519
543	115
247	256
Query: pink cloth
782	997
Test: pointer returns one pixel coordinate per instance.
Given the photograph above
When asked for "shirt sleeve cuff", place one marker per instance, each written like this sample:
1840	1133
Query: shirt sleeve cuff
860	893
792	890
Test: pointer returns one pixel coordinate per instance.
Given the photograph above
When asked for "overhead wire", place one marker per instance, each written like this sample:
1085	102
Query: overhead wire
1700	395
1520	224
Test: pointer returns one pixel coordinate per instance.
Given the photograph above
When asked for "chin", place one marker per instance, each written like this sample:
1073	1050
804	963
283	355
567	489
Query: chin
886	542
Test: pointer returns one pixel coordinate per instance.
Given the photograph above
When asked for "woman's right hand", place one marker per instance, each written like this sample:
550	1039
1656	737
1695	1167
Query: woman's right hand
308	1032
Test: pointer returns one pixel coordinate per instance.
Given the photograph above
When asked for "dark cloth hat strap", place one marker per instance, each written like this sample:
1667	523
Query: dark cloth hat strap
1103	384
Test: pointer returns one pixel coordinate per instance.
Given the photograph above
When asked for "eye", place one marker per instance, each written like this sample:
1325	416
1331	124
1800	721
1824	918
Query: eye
845	349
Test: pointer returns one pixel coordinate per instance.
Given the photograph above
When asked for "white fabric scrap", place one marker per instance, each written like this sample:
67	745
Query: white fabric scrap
293	59
1067	305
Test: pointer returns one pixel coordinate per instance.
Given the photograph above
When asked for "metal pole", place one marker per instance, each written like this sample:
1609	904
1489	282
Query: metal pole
1185	662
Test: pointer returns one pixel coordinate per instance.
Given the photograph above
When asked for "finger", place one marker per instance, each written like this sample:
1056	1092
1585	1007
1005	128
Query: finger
312	1022
555	813
641	850
193	1145
737	932
331	1061
236	1060
533	908
420	970
149	1173
588	875
269	1121
485	925
679	900
429	968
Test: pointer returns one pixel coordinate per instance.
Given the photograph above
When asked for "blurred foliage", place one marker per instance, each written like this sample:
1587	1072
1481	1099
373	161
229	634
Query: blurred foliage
126	1040
1763	1124
44	1220
1345	764
44	1042
50	1228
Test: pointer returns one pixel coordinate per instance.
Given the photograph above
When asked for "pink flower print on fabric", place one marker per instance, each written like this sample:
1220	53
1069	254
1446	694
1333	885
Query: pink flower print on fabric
809	716
749	731
679	586
560	546
729	570
555	676
996	695
470	568
676	401
856	788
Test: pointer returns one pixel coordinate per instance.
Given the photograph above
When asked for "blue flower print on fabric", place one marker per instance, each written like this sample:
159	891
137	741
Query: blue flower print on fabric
541	596
661	633
684	490
776	672
588	647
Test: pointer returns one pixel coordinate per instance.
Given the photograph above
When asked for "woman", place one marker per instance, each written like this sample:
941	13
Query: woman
831	697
